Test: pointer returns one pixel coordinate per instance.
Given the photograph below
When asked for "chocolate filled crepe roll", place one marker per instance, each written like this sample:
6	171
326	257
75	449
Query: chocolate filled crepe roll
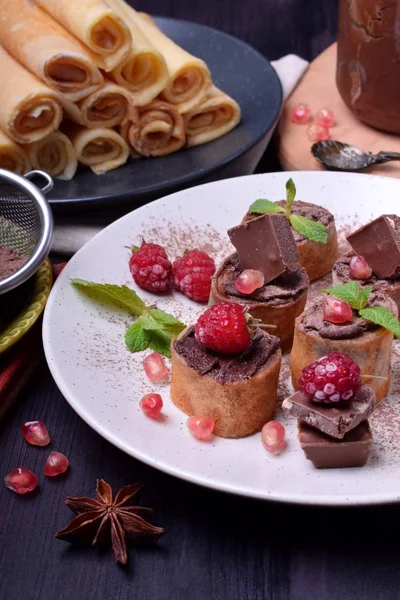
29	110
12	156
215	116
100	149
106	107
96	25
189	77
144	71
39	43
55	155
158	130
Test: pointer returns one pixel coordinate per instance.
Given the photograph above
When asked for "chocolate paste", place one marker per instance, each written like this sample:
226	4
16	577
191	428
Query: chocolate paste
333	419
283	290
368	61
304	209
329	453
313	322
226	369
342	270
10	261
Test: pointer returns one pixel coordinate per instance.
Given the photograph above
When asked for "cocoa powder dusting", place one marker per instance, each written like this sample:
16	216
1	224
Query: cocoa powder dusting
10	261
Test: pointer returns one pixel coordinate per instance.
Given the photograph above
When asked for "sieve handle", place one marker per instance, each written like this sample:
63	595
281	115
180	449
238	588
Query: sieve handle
49	182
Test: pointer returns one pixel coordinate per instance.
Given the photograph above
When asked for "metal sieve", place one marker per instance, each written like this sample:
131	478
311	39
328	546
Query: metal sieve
26	222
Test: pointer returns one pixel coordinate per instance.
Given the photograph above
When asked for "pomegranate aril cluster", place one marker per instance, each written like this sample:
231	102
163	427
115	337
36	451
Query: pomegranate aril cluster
332	379
319	126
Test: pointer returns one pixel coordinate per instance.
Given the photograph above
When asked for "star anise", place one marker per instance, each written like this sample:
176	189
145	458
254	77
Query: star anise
105	519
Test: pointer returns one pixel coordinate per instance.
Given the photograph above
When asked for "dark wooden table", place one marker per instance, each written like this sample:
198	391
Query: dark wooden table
216	546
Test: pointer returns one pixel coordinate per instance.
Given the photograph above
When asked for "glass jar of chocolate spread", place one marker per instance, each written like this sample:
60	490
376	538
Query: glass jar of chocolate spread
368	61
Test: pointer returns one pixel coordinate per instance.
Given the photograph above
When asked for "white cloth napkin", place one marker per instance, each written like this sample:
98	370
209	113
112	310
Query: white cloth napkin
71	234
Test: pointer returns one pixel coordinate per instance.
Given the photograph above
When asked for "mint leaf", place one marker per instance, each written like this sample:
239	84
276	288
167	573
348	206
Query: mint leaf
290	195
154	329
312	230
115	295
262	206
160	341
352	294
136	338
380	315
168	322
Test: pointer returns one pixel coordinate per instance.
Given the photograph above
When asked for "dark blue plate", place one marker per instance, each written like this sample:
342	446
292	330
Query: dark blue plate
240	71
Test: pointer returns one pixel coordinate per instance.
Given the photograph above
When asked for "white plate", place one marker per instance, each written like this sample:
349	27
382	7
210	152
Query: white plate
103	381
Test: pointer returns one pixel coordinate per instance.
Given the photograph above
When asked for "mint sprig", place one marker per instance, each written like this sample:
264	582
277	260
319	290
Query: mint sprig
153	329
358	298
309	229
352	294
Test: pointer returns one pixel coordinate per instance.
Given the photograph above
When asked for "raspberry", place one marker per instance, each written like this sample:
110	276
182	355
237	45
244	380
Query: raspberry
223	328
330	379
150	268
192	275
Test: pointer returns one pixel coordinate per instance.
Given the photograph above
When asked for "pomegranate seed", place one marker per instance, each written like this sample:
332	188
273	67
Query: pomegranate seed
317	133
56	464
155	368
35	433
21	480
300	114
249	281
151	405
359	268
325	117
273	437
336	311
201	427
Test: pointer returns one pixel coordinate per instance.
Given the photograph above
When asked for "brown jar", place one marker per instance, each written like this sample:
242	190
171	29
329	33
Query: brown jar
368	61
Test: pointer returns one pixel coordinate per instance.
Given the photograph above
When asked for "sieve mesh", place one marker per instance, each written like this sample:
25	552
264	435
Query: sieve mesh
19	219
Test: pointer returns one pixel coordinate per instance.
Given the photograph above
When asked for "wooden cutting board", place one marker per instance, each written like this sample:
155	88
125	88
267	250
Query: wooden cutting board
318	89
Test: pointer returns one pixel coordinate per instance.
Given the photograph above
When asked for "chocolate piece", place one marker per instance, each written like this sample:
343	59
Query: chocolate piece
329	453
226	369
333	419
379	243
266	244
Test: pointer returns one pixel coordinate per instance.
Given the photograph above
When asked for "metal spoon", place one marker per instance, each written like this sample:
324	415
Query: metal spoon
344	157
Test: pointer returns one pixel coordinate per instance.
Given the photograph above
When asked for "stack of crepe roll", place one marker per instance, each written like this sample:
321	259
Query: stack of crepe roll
90	82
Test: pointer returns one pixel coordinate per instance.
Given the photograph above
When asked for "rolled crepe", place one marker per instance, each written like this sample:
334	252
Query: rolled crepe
39	43
12	156
96	25
214	117
29	110
55	155
100	149
107	107
189	77
144	71
159	130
